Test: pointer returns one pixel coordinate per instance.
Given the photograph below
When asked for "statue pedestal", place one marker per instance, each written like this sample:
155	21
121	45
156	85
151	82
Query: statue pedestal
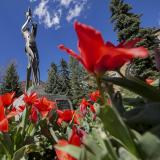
62	101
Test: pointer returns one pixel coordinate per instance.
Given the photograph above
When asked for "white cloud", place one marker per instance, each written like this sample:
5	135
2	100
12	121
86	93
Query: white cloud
50	12
46	17
52	20
41	9
65	3
75	12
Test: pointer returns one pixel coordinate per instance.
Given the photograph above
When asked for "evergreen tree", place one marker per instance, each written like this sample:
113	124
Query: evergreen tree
127	26
149	39
64	78
11	81
87	81
126	23
81	81
76	81
51	85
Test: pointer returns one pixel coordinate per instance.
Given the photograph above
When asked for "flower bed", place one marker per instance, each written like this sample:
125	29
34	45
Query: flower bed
100	128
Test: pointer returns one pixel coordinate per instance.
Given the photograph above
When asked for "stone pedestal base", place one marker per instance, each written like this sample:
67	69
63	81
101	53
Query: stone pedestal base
62	101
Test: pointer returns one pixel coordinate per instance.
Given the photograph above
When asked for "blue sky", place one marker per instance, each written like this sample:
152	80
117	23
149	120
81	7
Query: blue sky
55	18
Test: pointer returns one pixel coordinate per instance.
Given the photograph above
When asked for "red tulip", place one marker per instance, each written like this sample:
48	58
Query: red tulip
3	118
31	98
92	109
83	107
149	81
67	115
98	56
75	140
94	96
15	111
7	99
34	114
4	101
44	106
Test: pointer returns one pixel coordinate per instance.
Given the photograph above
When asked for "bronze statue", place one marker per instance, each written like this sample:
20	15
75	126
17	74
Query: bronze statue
29	31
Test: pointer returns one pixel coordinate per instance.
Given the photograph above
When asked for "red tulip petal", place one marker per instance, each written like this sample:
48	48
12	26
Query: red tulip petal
44	113
3	119
119	57
102	64
75	139
7	98
109	44
59	121
92	109
113	62
139	52
30	99
21	108
61	154
129	44
88	32
68	115
2	113
34	115
60	113
4	125
89	44
149	81
69	51
94	96
44	106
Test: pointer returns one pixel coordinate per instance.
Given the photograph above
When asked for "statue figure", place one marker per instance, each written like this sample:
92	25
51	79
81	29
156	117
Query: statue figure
29	31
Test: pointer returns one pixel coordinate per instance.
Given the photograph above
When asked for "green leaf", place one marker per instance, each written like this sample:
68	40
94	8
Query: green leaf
150	147
86	155
133	101
114	124
22	152
99	140
95	146
24	121
7	142
72	150
125	155
136	86
147	114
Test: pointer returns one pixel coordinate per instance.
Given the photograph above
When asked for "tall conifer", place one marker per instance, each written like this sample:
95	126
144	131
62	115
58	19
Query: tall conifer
51	85
65	78
127	25
11	81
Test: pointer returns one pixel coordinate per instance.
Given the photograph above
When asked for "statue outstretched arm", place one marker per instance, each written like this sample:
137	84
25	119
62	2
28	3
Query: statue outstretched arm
26	24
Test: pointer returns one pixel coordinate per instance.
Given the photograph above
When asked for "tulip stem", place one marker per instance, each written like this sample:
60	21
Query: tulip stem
102	97
6	151
25	120
53	135
108	143
110	148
